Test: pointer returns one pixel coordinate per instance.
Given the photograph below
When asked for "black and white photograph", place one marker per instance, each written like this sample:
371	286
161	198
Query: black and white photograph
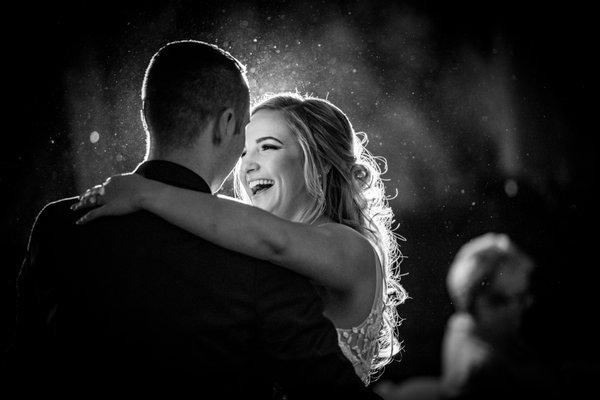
300	200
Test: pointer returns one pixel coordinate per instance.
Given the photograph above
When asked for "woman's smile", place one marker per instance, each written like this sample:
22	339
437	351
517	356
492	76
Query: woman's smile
260	186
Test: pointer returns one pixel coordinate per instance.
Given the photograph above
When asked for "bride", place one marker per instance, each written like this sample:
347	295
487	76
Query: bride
314	203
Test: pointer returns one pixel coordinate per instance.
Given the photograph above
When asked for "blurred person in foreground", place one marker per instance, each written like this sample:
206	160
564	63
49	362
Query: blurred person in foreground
484	355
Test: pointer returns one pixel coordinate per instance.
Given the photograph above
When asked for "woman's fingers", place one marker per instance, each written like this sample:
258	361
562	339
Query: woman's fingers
86	200
91	215
86	193
118	192
106	210
97	195
90	198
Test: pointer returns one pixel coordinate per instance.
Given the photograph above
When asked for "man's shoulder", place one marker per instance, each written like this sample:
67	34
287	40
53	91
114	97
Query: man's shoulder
57	209
59	205
54	215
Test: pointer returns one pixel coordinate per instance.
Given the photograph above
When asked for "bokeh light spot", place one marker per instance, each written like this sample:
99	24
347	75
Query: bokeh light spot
94	137
511	188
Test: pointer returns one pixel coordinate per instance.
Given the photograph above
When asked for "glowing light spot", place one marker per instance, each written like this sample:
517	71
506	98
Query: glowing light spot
255	40
94	137
511	188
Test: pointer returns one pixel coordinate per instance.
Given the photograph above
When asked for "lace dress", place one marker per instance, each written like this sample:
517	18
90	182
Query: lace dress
359	344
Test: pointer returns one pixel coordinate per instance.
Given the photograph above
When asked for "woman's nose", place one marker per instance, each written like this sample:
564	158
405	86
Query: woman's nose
249	164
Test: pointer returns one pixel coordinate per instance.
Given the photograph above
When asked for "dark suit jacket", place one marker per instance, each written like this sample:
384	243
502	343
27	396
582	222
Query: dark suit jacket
134	299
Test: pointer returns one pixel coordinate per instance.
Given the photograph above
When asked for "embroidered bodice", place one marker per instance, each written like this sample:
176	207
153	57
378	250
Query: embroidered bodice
359	344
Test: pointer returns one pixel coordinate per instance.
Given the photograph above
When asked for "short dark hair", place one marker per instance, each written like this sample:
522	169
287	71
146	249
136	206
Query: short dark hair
187	83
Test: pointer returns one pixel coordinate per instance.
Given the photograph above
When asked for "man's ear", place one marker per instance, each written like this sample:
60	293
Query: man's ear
224	125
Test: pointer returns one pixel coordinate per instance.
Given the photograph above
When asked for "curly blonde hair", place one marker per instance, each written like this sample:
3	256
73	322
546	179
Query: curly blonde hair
344	179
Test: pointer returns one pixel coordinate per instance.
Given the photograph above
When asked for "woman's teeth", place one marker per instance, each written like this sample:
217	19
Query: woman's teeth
260	184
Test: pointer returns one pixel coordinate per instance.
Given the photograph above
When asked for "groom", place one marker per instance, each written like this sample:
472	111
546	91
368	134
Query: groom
135	300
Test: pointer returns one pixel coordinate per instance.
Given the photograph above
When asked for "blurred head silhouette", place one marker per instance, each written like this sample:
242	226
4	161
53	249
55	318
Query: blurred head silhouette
489	279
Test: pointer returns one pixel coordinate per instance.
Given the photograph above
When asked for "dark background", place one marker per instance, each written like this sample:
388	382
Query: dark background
481	110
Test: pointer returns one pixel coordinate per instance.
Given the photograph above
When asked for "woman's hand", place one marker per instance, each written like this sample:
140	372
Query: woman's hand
118	195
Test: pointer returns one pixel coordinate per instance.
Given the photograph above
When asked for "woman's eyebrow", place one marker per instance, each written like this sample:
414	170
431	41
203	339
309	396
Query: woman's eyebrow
262	139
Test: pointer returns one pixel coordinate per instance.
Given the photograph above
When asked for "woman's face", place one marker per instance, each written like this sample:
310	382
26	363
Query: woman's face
272	166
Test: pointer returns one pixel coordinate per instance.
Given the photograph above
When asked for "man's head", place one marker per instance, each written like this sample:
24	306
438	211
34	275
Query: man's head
194	90
490	279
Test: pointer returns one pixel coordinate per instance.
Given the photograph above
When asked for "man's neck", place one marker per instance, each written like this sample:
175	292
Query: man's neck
188	160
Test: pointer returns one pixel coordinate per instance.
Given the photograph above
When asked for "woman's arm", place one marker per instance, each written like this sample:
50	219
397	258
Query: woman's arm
333	255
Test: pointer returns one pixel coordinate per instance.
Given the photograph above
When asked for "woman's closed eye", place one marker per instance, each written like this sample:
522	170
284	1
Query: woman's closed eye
263	147
269	147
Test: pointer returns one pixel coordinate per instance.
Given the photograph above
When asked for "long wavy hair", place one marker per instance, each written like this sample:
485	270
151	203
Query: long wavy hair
344	180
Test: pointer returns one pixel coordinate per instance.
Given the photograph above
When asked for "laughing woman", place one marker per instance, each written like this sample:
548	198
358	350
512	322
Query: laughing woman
315	204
